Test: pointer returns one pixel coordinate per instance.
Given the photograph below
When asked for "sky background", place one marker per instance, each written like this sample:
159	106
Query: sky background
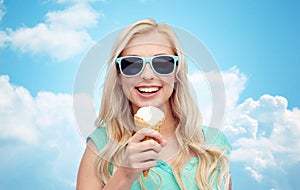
256	45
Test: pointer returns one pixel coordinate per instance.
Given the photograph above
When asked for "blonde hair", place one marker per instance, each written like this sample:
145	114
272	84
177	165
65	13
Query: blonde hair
116	114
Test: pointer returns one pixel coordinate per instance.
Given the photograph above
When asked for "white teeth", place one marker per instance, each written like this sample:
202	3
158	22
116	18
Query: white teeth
148	89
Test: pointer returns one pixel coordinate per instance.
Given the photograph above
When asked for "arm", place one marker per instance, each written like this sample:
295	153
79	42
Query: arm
138	157
86	178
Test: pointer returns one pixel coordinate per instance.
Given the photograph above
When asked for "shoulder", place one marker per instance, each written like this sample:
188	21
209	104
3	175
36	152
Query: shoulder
216	137
99	137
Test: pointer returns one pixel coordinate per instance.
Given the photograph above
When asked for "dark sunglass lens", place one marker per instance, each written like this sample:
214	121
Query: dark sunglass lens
131	65
163	64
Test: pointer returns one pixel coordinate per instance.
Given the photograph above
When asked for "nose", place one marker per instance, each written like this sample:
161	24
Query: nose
147	72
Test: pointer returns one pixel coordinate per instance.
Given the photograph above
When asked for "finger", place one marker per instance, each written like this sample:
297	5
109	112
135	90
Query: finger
144	165
147	132
138	148
140	160
147	165
151	145
149	155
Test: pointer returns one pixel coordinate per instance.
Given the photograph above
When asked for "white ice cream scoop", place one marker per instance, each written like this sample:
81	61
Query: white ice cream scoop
150	115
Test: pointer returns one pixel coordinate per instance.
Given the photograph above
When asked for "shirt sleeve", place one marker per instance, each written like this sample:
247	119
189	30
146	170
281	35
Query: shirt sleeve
99	137
216	137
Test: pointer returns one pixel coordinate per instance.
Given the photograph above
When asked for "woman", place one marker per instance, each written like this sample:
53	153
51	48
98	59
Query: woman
148	67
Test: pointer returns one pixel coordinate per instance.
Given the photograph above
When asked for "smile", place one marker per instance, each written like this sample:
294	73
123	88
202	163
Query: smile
148	89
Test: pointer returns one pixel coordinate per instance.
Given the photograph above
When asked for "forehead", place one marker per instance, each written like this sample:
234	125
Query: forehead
152	43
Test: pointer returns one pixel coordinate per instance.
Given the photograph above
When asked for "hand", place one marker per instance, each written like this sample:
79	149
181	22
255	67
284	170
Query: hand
142	155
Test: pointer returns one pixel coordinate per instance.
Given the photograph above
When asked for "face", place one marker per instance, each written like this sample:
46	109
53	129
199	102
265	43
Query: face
148	88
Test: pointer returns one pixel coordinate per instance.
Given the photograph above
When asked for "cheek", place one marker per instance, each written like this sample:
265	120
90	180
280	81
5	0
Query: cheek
169	85
127	85
169	81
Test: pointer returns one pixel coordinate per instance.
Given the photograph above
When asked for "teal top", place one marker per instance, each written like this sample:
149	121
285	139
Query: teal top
163	171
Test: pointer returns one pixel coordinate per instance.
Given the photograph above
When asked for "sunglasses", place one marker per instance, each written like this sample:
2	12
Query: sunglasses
131	66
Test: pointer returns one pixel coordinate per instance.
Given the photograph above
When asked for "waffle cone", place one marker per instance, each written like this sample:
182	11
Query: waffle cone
140	124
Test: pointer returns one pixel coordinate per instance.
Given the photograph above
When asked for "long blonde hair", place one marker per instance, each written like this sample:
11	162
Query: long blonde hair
116	114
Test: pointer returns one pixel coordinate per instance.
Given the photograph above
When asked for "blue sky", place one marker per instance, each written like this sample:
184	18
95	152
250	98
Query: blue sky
256	45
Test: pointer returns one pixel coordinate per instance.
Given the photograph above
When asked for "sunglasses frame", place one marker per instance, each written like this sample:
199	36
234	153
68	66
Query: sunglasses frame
145	61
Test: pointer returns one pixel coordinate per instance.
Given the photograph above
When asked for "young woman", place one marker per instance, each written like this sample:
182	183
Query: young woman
148	67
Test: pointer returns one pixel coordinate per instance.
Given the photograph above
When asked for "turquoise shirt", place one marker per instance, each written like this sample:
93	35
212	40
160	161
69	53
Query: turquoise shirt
212	136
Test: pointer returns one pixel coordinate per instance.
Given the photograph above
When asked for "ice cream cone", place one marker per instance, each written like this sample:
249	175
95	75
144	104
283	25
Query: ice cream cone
148	117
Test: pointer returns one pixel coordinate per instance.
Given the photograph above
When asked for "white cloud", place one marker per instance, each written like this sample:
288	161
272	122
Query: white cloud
265	137
27	119
276	140
16	102
235	82
63	35
3	38
59	44
257	176
42	130
2	11
264	133
268	109
77	16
